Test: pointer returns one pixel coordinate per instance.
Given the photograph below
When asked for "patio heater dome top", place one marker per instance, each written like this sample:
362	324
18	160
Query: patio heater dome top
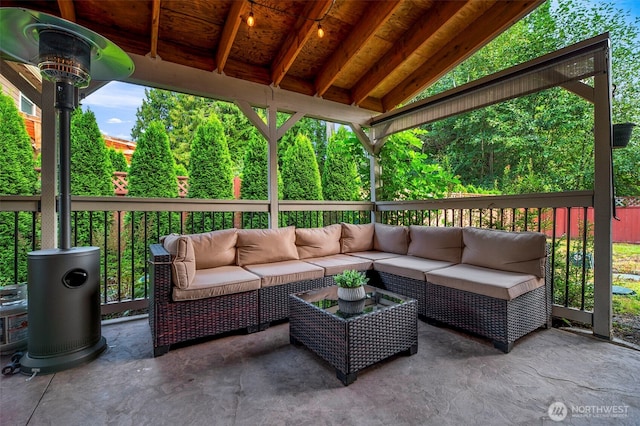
63	50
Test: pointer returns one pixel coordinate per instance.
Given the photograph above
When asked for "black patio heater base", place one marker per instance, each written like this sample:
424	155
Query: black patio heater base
30	366
63	310
63	283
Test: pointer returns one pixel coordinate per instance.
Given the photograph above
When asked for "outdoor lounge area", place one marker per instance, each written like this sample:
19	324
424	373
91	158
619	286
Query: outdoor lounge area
261	378
267	370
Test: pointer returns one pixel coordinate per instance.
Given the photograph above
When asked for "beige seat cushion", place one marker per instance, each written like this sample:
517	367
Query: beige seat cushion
522	252
215	248
489	282
338	263
435	242
390	238
218	281
257	246
318	242
357	237
183	261
285	272
409	266
374	255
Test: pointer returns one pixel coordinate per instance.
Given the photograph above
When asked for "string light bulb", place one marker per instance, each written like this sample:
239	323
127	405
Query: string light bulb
320	31
250	20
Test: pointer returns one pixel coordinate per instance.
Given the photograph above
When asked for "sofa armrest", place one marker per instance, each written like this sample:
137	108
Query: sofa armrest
160	274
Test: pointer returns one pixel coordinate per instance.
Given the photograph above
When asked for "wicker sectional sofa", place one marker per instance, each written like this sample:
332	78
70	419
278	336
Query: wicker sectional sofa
487	282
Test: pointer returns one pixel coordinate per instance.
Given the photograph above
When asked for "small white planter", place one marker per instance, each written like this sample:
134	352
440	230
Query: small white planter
351	307
352	294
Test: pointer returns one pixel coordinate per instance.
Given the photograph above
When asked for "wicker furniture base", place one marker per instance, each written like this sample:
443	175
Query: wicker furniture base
502	321
175	322
353	343
274	302
402	285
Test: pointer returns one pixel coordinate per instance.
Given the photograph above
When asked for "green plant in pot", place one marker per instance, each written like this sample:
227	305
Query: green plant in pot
351	285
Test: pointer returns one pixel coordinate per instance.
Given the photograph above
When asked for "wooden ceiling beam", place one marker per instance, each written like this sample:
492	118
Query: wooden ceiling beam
375	16
412	40
229	32
470	39
303	29
67	10
155	25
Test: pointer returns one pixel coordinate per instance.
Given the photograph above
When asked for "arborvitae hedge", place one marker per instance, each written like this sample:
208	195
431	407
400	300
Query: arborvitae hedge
340	178
210	172
118	160
91	175
151	175
255	182
301	180
91	169
17	177
152	172
17	174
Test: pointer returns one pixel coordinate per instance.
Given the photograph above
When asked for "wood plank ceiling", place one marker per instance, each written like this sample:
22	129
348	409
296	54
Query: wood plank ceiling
376	55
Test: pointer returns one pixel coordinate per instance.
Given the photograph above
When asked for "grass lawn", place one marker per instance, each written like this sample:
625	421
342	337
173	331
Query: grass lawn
626	260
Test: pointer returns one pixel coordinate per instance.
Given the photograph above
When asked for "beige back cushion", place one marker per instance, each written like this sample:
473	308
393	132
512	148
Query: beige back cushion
216	248
318	242
183	261
522	252
266	245
435	242
391	238
357	237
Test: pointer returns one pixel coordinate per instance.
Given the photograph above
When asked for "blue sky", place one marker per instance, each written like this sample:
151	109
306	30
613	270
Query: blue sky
115	107
116	103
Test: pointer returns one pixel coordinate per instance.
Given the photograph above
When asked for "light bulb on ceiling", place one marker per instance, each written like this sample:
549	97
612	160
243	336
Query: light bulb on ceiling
250	20
320	31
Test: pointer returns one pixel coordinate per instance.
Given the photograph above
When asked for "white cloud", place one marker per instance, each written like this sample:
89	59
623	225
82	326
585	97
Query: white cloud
116	95
114	120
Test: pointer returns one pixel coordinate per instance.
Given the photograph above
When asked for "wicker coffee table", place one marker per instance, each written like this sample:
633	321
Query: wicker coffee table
386	325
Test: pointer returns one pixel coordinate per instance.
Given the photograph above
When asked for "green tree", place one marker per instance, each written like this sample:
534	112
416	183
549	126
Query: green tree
239	131
210	172
152	171
91	174
180	115
151	175
315	130
91	168
543	140
340	178
255	184
301	181
17	173
118	160
408	175
17	177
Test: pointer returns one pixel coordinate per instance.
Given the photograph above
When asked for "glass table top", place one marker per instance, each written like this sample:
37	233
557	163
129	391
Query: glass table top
326	298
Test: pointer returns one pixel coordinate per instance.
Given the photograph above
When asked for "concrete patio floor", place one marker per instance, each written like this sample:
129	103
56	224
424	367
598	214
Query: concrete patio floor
260	379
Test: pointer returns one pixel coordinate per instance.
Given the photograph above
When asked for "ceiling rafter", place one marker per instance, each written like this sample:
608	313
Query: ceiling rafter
67	10
457	51
304	28
374	17
231	26
412	40
155	25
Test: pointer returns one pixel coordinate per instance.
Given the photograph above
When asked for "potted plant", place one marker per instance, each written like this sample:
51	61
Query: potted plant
622	134
351	285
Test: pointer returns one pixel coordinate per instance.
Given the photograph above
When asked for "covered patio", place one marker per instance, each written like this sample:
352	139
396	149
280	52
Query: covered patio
262	379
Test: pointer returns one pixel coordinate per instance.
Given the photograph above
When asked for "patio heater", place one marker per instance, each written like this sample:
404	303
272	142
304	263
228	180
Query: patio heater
63	283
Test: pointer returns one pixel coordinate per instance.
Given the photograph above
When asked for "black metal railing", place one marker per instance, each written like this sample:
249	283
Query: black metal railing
123	228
